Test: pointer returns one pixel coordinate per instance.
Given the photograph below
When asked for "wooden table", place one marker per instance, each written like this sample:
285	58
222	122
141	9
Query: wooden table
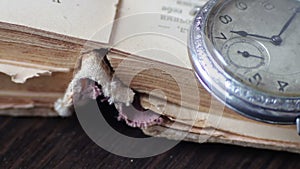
61	143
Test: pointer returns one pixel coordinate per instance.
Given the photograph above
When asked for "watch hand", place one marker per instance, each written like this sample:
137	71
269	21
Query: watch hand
276	40
245	34
287	24
247	54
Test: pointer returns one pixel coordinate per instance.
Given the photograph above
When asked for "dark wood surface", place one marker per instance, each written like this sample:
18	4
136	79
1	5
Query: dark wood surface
61	143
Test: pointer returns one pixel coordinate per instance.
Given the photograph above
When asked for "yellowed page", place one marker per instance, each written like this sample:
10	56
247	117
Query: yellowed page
156	29
75	18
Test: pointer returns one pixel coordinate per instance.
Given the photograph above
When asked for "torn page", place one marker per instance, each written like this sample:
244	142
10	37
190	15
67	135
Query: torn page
20	72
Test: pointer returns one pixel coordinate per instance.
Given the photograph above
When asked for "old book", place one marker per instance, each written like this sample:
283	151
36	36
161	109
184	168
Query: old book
40	43
49	64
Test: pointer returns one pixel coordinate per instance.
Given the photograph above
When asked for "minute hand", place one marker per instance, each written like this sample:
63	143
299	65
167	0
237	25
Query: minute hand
245	34
287	24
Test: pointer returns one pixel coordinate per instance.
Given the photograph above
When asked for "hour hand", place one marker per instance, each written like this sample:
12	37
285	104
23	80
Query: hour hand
245	34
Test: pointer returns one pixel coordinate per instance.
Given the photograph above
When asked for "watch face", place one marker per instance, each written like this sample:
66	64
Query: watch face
247	54
258	42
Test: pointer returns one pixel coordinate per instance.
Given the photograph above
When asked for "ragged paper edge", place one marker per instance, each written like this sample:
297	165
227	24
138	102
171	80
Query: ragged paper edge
218	136
21	75
20	72
91	66
215	126
93	78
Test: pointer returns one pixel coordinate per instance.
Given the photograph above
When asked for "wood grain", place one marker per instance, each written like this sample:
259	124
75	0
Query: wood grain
61	143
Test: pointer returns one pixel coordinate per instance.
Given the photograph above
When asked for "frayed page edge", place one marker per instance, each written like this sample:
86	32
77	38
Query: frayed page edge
90	66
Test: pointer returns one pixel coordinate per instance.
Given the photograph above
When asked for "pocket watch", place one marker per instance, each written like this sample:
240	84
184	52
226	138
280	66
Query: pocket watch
247	54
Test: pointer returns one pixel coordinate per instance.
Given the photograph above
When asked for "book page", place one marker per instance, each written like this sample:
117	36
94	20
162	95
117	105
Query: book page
75	18
156	29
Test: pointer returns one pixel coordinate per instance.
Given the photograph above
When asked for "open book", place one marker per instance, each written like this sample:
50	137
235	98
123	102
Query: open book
53	55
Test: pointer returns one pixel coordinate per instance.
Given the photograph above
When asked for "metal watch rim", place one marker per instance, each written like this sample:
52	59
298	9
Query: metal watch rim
247	101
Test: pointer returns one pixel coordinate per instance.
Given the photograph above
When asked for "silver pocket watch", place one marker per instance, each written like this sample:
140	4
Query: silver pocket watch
247	54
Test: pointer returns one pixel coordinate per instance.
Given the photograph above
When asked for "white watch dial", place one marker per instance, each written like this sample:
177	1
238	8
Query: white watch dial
259	42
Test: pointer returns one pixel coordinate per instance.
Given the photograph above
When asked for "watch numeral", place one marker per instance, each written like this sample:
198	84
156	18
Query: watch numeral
255	79
221	37
226	19
267	5
282	85
241	5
